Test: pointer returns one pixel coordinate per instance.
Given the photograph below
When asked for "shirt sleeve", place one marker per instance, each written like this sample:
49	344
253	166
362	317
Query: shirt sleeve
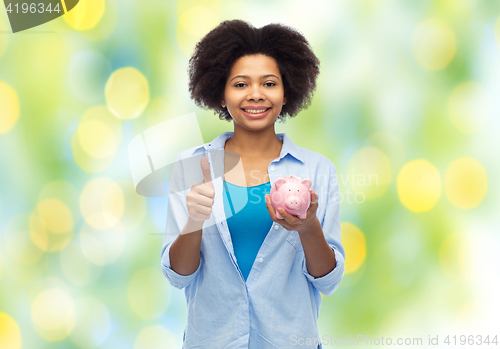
177	216
330	224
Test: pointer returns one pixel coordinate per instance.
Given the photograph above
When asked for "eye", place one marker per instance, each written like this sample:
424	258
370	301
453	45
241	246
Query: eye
298	190
289	189
272	84
240	83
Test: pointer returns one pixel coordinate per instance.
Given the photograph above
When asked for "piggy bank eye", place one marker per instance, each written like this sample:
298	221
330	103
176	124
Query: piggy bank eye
289	189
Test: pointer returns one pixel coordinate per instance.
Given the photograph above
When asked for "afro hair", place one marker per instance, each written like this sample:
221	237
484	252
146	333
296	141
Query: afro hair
216	52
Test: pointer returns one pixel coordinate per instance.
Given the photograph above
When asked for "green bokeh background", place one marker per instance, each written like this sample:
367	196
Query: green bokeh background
425	273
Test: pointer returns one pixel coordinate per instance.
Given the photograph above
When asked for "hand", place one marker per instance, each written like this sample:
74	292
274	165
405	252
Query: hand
290	222
200	199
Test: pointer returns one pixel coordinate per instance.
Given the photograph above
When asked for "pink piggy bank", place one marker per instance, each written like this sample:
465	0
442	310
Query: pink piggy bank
292	194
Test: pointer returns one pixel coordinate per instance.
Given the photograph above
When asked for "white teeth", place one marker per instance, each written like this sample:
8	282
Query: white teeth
253	111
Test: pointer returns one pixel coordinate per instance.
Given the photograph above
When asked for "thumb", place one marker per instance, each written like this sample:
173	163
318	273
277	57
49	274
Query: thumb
205	168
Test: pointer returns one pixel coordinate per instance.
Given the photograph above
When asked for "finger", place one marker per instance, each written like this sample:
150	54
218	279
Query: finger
203	209
287	216
205	201
206	190
270	208
313	207
314	197
205	168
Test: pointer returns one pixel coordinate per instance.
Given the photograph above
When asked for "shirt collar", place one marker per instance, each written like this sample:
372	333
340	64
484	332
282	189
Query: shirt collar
288	146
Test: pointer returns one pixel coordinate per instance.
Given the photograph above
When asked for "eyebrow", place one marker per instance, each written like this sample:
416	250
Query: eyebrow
247	77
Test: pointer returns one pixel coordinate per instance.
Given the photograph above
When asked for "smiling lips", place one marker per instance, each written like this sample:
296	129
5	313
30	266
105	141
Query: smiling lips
256	112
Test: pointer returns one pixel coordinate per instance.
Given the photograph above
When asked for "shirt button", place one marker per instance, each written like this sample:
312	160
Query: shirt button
276	226
272	168
261	260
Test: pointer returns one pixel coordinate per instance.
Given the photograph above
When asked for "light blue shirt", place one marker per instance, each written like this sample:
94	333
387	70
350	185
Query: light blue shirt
280	301
249	226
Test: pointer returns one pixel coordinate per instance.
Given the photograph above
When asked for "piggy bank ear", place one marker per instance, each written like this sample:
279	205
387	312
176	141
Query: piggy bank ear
279	182
307	182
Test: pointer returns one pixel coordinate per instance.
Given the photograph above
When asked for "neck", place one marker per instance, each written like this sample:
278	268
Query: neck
247	143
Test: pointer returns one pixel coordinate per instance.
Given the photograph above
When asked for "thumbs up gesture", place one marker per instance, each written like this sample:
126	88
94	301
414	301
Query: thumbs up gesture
200	199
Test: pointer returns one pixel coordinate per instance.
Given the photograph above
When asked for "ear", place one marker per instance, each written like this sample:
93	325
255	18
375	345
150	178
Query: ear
279	182
307	182
222	100
284	100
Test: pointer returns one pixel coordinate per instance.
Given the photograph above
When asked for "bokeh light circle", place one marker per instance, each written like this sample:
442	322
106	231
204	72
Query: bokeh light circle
55	215
354	243
99	133
433	44
17	242
102	247
24	261
155	337
135	209
419	185
102	203
92	325
9	102
195	20
52	223
148	293
465	183
470	107
45	239
53	313
66	194
369	171
97	139
127	93
86	15
10	333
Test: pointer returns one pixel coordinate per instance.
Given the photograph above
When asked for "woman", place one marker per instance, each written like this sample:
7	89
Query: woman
252	280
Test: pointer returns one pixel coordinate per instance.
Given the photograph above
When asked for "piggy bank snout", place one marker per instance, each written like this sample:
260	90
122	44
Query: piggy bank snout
293	202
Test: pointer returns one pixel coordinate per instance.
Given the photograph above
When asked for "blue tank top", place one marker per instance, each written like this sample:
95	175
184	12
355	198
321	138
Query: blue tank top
249	226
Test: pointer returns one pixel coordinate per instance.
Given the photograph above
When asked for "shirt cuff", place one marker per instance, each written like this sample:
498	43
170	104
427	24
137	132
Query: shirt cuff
177	280
327	284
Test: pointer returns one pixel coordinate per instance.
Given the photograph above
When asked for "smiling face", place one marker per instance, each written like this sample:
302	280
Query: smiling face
254	92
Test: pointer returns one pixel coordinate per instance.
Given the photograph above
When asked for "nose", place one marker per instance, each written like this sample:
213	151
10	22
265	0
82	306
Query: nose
256	93
292	202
